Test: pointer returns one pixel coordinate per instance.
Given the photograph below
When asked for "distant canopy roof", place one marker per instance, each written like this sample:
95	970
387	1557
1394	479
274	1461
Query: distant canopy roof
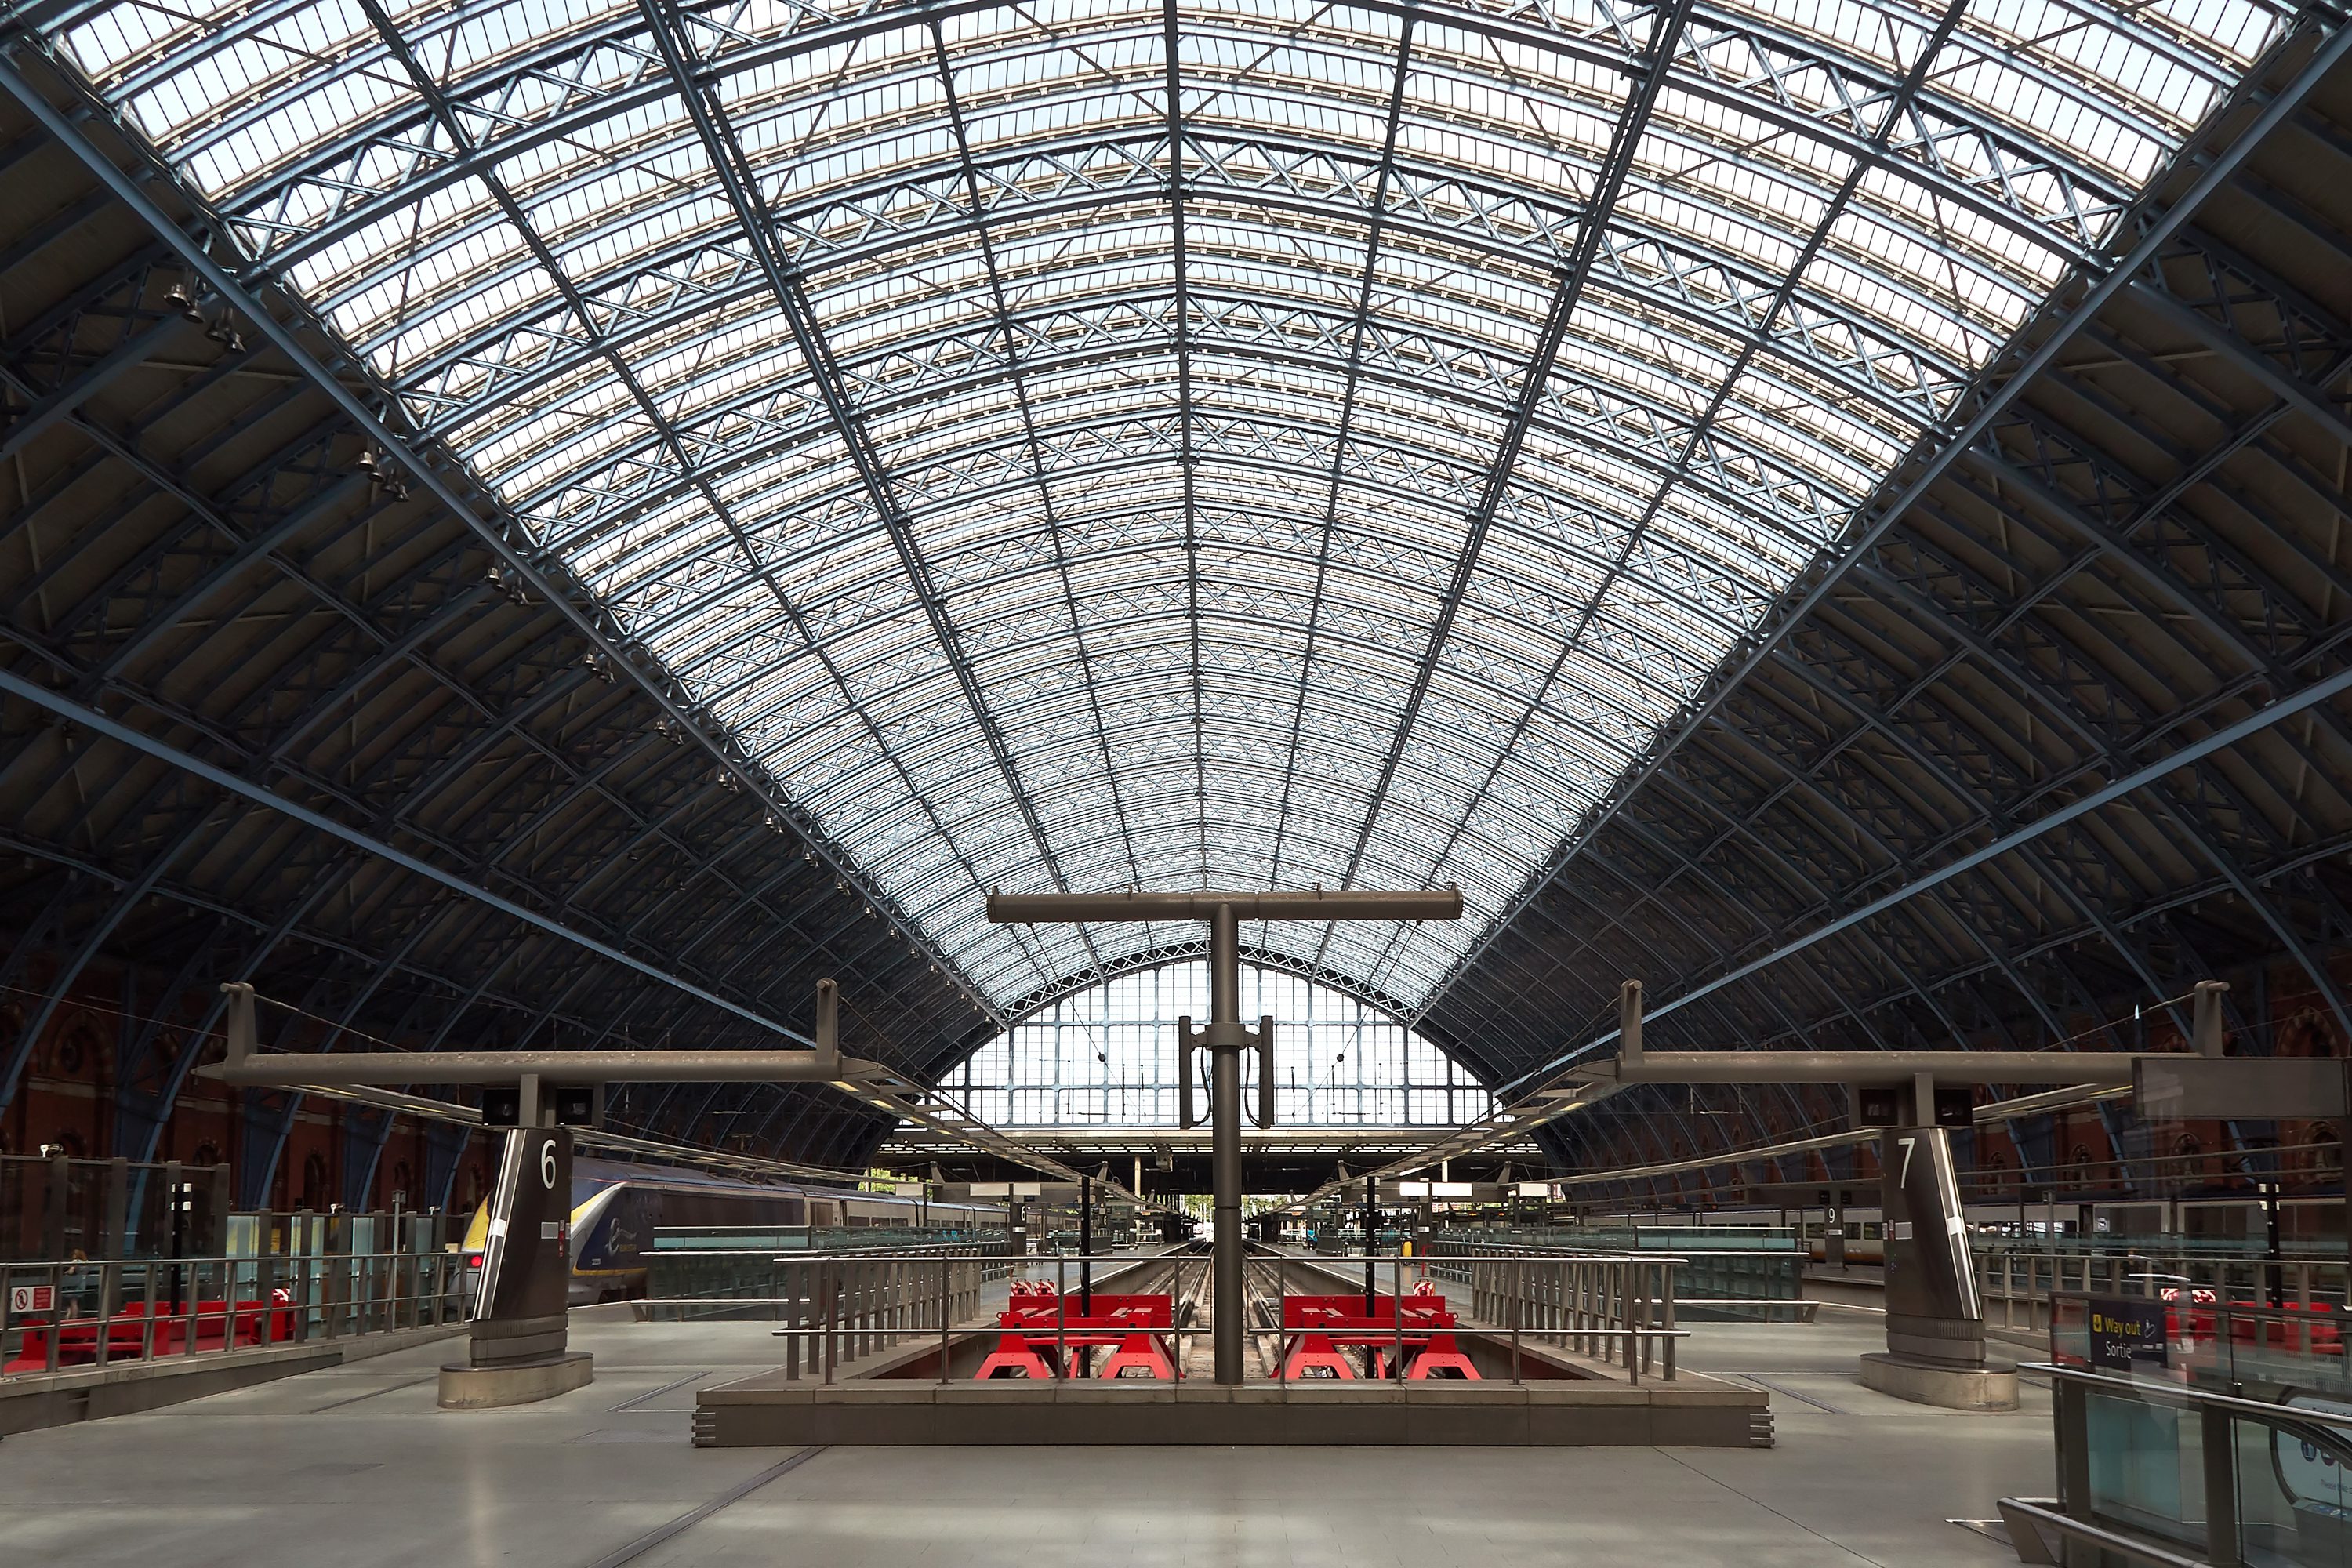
1094	444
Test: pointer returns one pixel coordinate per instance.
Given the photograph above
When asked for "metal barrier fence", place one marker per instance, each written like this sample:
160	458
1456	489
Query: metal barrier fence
1614	1308
61	1315
1714	1280
2017	1283
837	1308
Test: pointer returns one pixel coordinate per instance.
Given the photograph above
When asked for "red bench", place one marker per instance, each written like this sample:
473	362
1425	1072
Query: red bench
1038	1325
1317	1328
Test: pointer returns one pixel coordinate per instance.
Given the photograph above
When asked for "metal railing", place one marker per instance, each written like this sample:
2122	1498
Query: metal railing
64	1315
1613	1308
838	1308
2163	1472
1713	1281
2017	1284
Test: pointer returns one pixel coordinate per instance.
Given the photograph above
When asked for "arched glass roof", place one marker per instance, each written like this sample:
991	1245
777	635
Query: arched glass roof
1227	442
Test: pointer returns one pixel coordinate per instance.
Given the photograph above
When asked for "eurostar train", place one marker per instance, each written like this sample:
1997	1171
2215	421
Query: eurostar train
617	1208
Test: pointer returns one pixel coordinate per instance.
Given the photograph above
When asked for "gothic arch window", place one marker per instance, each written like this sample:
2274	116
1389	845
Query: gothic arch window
1105	1056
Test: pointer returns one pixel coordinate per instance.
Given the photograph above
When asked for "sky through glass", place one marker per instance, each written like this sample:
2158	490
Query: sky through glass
1214	442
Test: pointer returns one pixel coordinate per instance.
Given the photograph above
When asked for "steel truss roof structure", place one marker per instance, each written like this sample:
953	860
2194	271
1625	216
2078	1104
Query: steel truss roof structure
1614	458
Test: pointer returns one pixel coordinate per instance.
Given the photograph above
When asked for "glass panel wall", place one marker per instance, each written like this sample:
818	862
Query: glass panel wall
1106	1056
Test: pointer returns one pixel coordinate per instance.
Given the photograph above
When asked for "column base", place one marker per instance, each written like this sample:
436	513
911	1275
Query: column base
1992	1387
521	1383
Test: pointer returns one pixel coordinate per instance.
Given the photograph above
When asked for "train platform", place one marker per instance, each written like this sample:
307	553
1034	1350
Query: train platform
354	1464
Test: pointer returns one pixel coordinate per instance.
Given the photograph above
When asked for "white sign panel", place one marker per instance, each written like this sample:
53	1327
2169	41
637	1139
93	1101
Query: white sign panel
23	1299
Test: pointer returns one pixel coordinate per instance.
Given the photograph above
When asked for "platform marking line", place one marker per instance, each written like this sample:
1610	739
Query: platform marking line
684	1521
372	1393
1766	1383
657	1394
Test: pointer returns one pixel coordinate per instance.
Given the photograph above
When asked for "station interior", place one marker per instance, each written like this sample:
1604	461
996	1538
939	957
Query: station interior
949	783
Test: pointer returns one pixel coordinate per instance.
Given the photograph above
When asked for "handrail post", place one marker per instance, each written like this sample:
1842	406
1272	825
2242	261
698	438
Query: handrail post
1671	1329
944	1267
2071	1410
106	1277
796	1314
147	1322
1062	1316
1396	1311
1515	1320
2218	1432
1637	1318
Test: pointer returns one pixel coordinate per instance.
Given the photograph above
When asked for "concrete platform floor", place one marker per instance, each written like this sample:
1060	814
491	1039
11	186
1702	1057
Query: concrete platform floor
354	1466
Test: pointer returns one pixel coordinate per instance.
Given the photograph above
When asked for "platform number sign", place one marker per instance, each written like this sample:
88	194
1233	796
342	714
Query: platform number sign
526	1263
24	1298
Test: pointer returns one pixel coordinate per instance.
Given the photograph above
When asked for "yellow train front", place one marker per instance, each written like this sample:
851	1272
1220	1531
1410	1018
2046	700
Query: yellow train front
616	1209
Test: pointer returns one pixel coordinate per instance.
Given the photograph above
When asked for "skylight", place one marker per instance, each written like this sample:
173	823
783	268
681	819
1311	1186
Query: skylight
1052	483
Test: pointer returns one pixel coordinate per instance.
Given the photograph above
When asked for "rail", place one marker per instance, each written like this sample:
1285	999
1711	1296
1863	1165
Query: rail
2020	1282
1601	1305
1712	1279
833	1309
840	1307
61	1315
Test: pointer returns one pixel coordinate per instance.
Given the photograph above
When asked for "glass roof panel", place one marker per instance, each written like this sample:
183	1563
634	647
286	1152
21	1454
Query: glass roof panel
1051	482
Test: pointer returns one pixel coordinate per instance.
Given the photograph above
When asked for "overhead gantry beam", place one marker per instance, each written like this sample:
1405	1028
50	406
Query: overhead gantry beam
2093	1076
823	1063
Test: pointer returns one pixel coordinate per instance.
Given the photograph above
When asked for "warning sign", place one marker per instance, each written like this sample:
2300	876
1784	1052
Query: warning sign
24	1298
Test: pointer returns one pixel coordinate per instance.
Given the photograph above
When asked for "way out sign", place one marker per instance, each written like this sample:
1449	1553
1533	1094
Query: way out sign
24	1298
2124	1333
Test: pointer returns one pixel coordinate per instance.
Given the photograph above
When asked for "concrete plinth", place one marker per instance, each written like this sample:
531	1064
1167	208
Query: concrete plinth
523	1382
772	1411
1992	1387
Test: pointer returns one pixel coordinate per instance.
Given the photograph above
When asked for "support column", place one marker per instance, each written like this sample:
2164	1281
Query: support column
1223	1038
